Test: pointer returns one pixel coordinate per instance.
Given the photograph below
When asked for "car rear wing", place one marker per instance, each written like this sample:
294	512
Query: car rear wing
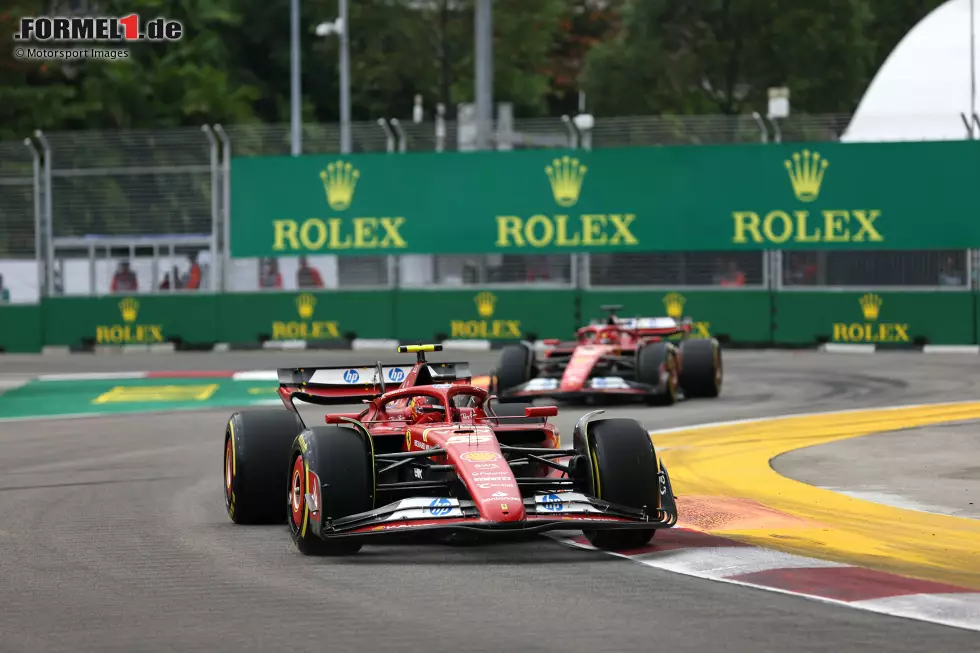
656	326
347	384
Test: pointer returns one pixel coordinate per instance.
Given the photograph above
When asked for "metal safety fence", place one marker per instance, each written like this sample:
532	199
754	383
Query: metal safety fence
77	207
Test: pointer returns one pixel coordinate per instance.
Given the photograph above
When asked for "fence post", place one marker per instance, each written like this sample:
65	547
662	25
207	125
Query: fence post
226	192
217	266
48	215
38	241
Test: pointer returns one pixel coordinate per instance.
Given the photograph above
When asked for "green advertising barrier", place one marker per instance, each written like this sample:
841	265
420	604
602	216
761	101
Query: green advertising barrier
130	320
710	198
887	318
484	315
740	316
20	328
315	316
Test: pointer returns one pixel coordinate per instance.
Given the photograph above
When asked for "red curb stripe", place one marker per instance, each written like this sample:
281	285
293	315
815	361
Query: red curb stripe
845	583
191	374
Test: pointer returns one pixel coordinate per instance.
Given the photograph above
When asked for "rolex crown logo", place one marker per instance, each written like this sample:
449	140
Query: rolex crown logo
485	303
674	303
305	304
806	174
339	180
566	175
129	308
870	306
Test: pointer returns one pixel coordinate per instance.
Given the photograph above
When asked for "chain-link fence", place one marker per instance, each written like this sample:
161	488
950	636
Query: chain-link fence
154	199
17	200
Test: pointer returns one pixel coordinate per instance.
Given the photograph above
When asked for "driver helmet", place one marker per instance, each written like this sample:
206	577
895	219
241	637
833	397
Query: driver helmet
417	405
608	337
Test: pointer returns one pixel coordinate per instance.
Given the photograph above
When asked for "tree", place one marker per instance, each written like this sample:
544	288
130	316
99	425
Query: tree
721	56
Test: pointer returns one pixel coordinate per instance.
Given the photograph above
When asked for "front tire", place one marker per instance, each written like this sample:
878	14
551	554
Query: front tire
621	466
257	444
701	368
515	366
335	464
652	361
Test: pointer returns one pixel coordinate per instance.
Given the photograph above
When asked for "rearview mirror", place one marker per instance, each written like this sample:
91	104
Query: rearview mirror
332	419
540	411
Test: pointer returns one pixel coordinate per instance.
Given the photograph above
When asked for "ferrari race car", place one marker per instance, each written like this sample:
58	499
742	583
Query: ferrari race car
433	454
648	358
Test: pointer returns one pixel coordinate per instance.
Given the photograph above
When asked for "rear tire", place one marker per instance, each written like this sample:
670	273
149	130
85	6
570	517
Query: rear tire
257	444
701	368
651	359
514	368
336	465
621	462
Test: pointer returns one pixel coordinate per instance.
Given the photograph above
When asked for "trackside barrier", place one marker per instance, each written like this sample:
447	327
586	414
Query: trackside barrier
747	318
887	318
504	315
20	328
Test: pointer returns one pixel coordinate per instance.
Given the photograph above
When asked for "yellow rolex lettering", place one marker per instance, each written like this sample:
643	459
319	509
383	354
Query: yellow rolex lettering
801	234
336	229
513	329
593	229
365	233
703	329
769	226
393	238
561	222
902	332
840	332
509	231
547	231
284	230
835	226
623	235
746	221
313	234
865	218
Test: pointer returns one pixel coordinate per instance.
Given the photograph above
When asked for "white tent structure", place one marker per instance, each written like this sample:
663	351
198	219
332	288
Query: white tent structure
926	84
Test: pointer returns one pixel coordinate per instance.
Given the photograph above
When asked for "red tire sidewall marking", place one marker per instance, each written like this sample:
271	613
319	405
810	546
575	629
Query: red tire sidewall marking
297	505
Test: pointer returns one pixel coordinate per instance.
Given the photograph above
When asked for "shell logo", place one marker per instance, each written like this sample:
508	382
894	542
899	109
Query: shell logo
481	456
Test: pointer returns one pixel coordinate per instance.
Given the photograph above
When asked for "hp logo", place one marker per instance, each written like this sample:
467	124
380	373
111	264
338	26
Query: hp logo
351	376
552	503
440	507
396	375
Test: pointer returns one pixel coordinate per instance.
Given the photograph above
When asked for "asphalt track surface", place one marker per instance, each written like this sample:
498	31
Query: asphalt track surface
113	537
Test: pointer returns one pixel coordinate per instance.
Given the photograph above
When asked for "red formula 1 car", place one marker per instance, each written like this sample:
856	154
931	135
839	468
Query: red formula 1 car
631	358
436	455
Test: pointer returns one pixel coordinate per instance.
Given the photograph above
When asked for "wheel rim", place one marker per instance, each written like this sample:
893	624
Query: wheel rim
297	497
229	467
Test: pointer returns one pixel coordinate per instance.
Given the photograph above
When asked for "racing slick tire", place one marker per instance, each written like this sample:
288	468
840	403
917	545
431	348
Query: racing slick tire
649	361
335	464
257	444
621	467
701	368
515	368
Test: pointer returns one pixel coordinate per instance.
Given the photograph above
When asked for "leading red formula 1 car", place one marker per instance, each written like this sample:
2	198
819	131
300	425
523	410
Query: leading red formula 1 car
436	455
625	358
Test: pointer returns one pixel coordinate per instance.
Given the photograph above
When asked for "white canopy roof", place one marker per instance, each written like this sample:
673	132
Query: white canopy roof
924	84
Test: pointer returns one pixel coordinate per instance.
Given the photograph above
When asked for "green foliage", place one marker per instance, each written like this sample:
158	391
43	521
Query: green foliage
630	56
721	56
